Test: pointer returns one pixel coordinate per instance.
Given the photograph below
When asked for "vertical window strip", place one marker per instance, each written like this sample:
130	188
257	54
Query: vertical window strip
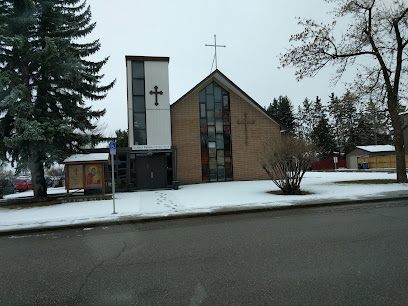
139	108
215	126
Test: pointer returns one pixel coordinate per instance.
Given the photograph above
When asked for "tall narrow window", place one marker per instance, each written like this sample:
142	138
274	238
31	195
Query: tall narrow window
215	126
139	108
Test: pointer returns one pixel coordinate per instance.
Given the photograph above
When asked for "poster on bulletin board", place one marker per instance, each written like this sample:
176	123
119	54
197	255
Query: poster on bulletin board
93	175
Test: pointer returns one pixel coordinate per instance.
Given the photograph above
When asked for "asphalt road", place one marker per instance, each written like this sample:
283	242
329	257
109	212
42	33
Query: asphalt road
346	255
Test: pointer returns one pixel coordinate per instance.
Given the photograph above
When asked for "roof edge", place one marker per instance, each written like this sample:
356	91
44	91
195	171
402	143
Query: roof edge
232	84
147	58
386	148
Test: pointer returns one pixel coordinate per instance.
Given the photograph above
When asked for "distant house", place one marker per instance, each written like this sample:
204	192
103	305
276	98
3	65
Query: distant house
368	151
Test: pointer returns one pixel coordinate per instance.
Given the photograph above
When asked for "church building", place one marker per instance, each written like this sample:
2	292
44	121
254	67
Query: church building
212	134
218	131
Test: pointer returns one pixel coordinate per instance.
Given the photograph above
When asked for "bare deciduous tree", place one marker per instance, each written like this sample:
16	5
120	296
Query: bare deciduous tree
374	42
286	161
56	171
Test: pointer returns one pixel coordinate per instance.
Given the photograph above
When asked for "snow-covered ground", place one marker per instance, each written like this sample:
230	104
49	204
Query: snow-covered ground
197	198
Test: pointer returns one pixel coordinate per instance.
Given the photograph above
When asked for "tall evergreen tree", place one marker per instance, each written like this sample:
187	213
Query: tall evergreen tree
273	108
379	123
122	140
337	120
282	109
46	78
318	111
306	120
365	134
345	117
322	134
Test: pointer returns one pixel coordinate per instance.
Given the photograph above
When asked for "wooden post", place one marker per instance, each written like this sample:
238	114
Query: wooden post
66	168
103	179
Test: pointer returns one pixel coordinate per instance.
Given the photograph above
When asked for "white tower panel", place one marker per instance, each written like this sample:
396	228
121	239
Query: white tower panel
158	128
157	103
157	74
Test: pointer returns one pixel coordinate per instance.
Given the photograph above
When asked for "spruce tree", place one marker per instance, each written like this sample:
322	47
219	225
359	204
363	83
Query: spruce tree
336	116
379	122
282	109
273	108
322	134
365	134
345	116
122	138
306	120
46	78
286	115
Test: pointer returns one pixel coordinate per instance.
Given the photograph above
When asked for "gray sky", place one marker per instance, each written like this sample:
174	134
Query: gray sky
255	33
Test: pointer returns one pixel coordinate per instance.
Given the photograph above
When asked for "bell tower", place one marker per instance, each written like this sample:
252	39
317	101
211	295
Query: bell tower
148	102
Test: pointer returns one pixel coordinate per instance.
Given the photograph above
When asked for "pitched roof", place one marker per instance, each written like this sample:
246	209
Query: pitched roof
221	78
377	148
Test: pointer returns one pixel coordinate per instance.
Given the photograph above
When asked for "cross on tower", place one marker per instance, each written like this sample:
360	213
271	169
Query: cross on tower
246	122
156	92
215	48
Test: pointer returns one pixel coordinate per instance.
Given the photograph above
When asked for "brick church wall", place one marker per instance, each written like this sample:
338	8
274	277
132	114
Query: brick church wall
185	122
246	156
185	129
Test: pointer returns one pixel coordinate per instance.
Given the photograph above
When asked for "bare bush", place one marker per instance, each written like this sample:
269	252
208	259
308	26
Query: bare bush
286	161
56	171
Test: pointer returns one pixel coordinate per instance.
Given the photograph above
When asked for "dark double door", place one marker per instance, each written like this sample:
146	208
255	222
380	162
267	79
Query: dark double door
151	171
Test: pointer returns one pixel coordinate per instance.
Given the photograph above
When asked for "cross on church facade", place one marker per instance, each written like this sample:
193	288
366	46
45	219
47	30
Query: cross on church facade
156	92
215	49
246	122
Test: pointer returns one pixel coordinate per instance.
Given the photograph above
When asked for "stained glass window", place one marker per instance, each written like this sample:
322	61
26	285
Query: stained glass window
202	110
215	126
218	110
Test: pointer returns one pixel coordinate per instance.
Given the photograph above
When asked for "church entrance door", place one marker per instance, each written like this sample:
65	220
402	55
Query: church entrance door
151	171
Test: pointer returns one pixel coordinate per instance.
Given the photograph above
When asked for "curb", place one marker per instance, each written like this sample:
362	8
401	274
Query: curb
220	212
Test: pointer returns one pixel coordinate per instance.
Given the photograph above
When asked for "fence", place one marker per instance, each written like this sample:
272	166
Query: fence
380	161
328	164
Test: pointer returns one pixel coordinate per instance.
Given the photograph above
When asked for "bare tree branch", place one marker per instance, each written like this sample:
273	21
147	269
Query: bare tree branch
375	38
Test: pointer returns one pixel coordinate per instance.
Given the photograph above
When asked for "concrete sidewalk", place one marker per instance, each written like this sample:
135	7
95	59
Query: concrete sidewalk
207	199
385	197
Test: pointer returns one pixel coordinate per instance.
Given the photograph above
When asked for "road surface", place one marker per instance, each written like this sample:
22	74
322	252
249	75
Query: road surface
321	256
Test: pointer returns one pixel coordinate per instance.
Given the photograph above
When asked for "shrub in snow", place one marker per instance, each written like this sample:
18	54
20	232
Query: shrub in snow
286	161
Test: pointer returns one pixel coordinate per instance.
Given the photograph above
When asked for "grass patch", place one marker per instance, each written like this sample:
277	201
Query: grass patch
373	182
279	192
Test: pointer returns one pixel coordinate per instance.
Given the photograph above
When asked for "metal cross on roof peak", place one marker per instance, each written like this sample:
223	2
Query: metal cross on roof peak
215	51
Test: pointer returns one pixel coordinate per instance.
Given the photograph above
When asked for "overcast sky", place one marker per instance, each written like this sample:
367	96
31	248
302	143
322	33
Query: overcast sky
255	33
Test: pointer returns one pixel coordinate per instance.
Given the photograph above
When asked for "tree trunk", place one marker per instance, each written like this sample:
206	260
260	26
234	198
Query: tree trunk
400	156
37	176
398	139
